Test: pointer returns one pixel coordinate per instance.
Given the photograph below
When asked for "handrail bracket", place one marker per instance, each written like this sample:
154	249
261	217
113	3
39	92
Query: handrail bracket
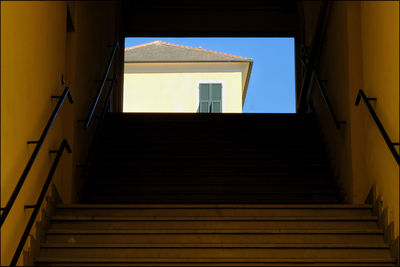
390	144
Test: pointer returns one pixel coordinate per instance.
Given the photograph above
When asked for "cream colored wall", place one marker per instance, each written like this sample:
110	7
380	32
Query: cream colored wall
178	92
361	51
35	51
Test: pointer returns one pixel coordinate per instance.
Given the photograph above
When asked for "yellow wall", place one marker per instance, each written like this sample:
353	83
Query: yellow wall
380	65
361	51
35	51
178	92
26	105
87	52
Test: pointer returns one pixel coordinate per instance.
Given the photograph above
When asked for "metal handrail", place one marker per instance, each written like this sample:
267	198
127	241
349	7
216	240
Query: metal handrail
39	143
323	93
64	145
317	42
96	133
103	81
390	144
25	235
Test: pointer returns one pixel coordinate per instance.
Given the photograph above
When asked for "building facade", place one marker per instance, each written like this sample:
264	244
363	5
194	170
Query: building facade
165	77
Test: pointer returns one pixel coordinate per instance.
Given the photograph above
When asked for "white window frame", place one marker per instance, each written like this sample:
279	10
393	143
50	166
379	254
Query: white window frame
222	82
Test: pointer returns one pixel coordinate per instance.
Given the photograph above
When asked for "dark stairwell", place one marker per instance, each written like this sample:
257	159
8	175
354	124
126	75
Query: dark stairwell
208	158
212	190
236	201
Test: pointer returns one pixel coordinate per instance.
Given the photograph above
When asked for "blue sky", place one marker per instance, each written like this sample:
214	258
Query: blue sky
272	82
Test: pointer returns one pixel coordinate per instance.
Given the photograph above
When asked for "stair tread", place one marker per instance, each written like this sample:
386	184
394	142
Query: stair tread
213	218
196	163
277	260
163	175
276	174
187	192
216	183
217	245
215	231
216	206
118	190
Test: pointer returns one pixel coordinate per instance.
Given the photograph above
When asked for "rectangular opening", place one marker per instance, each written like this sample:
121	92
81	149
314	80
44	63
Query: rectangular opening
240	75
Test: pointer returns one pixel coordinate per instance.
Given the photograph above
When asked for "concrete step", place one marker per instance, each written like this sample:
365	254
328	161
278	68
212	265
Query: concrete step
211	170
65	222
262	122
161	159
217	245
266	121
257	177
205	156
259	121
228	151
317	237
243	198
213	218
198	251
214	210
211	164
211	159
193	135
370	231
122	188
59	261
312	181
210	144
193	196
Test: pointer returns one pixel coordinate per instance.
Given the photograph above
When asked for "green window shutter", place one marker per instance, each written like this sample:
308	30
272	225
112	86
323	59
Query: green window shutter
216	97
210	99
204	98
216	107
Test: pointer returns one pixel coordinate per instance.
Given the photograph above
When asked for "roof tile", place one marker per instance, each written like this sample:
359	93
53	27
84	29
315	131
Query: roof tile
160	51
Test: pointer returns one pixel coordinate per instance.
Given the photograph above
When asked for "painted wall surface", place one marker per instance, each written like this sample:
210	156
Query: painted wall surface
36	50
361	51
165	91
88	50
380	65
27	83
333	66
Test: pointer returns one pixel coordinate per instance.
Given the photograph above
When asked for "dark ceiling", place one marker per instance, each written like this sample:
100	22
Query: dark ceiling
178	18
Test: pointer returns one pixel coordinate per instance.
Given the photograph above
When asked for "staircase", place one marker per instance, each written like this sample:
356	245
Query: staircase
212	190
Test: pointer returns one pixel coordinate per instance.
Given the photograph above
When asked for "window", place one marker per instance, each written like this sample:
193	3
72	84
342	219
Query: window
210	98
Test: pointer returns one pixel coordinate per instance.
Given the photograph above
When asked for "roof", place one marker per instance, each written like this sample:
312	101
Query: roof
160	51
